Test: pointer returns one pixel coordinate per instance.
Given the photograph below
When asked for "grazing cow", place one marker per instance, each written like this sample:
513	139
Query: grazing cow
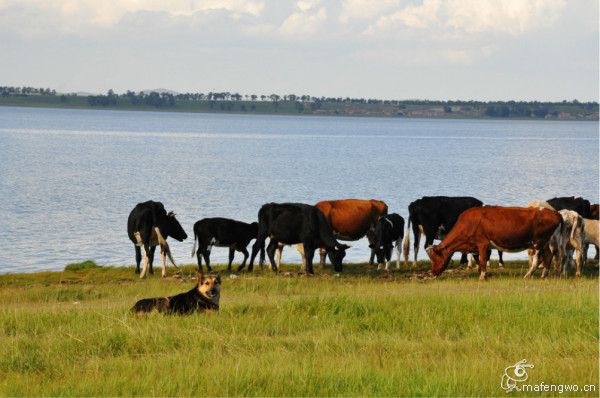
590	230
293	223
222	232
389	230
150	225
579	205
504	228
350	220
566	239
434	217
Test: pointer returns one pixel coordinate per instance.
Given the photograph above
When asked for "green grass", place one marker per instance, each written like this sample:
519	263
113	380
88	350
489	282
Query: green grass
362	333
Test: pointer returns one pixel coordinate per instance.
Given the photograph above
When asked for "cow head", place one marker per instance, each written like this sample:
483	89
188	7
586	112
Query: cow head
381	251
439	259
171	227
336	255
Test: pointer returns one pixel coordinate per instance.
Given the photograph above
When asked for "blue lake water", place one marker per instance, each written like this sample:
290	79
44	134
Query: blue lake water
69	178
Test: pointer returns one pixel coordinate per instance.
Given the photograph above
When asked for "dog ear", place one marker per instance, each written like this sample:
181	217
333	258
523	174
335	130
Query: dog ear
218	278
199	276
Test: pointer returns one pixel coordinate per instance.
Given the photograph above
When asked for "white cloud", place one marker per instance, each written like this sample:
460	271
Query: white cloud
76	13
472	16
306	21
365	9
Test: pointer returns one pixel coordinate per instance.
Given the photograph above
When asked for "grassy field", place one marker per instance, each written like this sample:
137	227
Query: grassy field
362	333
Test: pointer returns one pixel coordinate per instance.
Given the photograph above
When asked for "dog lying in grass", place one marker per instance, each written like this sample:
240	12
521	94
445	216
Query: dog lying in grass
204	296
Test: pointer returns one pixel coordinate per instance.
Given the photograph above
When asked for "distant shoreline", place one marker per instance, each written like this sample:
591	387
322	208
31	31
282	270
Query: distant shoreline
425	110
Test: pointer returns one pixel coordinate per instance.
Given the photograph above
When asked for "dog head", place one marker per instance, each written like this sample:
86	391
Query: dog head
209	286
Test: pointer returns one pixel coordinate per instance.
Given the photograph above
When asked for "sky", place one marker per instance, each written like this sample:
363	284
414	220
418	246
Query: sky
543	50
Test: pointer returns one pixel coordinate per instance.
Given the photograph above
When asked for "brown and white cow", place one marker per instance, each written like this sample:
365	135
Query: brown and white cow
565	240
350	219
504	228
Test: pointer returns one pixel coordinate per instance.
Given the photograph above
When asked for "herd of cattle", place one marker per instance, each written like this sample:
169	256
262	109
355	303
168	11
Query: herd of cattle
554	229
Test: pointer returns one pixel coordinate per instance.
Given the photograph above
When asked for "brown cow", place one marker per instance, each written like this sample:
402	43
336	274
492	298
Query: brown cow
350	219
504	228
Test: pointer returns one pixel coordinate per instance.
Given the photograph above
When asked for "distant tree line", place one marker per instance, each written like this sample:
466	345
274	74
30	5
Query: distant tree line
5	91
228	101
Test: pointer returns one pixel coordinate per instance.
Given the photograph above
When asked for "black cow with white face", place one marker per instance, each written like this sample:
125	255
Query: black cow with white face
434	217
389	231
293	223
222	232
148	226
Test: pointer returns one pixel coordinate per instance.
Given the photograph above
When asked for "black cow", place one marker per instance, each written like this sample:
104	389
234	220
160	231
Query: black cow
434	217
150	225
222	232
292	223
389	229
579	205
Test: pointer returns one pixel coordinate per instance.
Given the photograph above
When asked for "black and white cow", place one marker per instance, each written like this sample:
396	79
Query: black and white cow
292	223
580	205
434	217
222	232
150	225
389	231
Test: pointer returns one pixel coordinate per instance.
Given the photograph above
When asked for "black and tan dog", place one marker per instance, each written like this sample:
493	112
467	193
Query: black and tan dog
204	296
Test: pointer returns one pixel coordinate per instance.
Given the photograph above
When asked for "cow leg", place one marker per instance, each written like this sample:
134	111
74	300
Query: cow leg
500	259
300	248
261	260
596	257
245	253
206	255
533	258
145	268
163	256
483	259
388	256
561	264
398	252
259	245
309	253
463	259
489	256
371	238
271	253
151	260
278	256
231	255
138	258
322	257
201	250
471	260
416	247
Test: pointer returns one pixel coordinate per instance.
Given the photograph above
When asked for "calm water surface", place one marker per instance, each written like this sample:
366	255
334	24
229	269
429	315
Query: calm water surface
69	178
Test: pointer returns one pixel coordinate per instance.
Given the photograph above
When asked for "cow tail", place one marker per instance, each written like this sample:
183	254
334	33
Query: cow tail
194	247
406	241
574	228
